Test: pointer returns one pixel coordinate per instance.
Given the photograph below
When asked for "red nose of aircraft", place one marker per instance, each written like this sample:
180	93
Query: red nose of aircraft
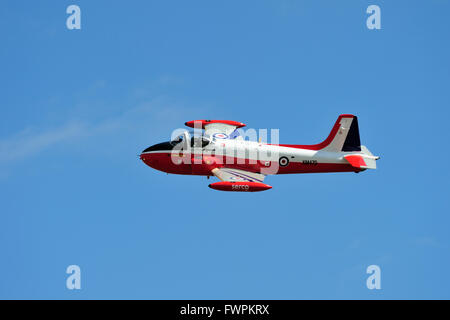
154	156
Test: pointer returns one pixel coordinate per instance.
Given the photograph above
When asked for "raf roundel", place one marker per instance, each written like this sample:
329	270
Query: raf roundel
284	161
220	136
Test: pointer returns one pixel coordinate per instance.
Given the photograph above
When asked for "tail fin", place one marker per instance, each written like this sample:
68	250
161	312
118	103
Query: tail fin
344	136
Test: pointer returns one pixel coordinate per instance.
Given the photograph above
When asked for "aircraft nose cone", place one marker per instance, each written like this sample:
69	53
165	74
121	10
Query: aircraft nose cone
149	159
150	155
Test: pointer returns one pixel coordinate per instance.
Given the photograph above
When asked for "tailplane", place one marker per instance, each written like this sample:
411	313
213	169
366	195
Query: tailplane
362	161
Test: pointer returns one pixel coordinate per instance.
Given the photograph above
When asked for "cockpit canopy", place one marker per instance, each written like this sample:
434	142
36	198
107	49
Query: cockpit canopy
195	140
177	140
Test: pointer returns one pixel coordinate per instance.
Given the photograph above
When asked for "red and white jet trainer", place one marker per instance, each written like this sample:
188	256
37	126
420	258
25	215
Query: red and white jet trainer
242	165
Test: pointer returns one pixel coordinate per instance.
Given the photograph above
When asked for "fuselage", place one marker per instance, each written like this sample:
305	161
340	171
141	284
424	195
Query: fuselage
245	155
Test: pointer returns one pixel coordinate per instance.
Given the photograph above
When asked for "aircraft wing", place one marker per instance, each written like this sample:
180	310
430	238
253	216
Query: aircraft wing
235	175
221	129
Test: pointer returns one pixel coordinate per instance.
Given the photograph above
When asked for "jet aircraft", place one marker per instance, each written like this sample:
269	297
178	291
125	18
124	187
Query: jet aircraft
219	149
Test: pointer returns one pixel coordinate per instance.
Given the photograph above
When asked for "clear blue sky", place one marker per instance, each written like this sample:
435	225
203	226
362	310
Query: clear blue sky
77	107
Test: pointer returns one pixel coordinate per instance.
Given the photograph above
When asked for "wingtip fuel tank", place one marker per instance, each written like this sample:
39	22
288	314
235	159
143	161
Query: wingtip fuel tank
240	186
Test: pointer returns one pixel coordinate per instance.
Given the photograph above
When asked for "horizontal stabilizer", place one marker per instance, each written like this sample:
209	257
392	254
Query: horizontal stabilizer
356	161
362	161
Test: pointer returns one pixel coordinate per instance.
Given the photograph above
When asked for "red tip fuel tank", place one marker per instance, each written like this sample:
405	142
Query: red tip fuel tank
240	186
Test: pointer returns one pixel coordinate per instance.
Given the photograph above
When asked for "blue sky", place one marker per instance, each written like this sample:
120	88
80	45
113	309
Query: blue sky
78	107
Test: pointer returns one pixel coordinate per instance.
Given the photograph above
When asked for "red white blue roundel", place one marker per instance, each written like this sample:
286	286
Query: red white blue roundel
220	136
